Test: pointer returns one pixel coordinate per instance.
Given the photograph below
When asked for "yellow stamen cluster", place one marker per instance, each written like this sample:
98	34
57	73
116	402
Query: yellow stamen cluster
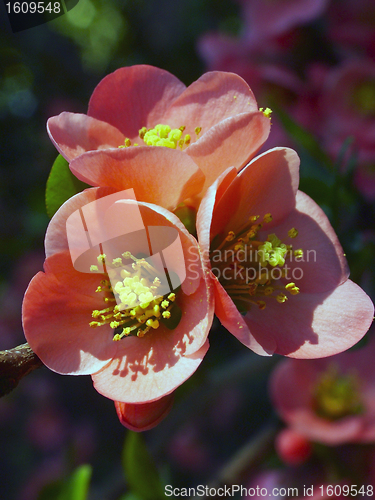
139	305
244	265
163	135
337	395
267	112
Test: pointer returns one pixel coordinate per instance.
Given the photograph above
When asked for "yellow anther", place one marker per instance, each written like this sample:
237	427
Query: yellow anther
230	236
153	323
166	314
281	298
117	262
94	269
101	257
187	139
298	253
267	112
292	288
268	290
182	128
261	304
142	132
292	233
172	297
267	218
197	130
165	304
114	324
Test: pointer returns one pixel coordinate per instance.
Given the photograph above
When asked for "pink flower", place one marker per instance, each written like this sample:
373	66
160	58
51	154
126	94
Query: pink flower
61	303
215	121
273	17
328	400
349	101
281	277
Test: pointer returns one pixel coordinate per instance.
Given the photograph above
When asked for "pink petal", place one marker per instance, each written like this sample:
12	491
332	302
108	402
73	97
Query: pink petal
56	237
142	417
315	325
285	14
323	266
134	97
216	150
214	97
158	175
261	343
147	370
207	206
74	134
267	185
56	314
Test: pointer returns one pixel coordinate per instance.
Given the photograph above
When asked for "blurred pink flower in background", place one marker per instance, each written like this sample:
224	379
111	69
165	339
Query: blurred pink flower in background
310	308
268	18
292	447
329	400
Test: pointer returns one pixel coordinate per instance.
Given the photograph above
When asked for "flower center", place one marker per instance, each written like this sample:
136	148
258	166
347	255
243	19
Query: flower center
250	270
163	135
336	396
137	307
364	98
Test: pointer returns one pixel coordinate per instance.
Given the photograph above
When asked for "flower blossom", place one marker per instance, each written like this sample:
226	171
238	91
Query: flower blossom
328	400
112	323
215	121
281	277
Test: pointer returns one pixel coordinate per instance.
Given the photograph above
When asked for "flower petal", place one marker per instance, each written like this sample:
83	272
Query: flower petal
261	343
268	184
323	265
158	175
56	237
216	150
315	325
74	134
211	99
146	371
143	417
134	97
56	314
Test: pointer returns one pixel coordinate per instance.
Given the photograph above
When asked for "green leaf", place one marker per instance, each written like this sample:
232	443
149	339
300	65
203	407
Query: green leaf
61	185
140	470
76	487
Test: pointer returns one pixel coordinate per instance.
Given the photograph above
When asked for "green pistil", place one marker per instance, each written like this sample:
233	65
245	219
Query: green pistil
336	396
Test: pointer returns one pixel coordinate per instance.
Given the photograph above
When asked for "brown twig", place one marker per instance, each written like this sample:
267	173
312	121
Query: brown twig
14	364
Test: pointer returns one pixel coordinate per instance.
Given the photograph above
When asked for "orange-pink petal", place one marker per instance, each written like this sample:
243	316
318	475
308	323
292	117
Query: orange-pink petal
74	134
158	175
134	97
147	370
230	143
56	314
